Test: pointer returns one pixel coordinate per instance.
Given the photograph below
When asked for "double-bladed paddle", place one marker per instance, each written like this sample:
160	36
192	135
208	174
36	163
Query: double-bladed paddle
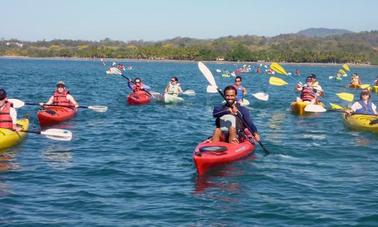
19	103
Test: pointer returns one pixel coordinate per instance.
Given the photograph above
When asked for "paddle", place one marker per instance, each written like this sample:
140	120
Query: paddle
189	92
54	134
277	81
346	67
19	103
346	96
278	68
210	78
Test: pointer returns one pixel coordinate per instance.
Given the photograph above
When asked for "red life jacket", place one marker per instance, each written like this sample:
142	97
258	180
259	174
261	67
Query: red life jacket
5	118
137	88
61	99
307	94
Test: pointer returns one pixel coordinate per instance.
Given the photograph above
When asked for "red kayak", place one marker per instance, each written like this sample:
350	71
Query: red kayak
138	98
208	154
55	114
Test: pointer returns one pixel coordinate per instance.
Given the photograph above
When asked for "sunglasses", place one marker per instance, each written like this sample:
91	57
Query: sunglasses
237	80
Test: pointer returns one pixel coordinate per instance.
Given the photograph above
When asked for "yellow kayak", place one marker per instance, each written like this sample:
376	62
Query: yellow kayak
299	107
9	138
374	89
361	122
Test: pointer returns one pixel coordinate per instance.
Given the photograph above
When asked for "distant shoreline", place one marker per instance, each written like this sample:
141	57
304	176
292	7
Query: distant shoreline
181	61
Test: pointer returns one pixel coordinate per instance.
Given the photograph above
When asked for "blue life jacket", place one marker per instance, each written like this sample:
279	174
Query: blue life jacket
366	109
239	94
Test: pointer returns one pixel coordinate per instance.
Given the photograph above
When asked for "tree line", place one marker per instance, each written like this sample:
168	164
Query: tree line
359	48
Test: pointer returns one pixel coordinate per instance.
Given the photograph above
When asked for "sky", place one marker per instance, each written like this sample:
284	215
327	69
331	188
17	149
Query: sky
153	20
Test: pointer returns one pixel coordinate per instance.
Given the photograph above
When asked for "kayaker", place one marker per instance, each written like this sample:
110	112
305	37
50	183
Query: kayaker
173	87
8	114
137	85
355	81
364	105
227	124
61	97
241	91
308	93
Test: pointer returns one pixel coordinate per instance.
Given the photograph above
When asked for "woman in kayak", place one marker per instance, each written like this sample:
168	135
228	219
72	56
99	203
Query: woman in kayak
355	82
173	87
8	114
315	85
241	91
137	85
308	93
364	105
61	97
227	124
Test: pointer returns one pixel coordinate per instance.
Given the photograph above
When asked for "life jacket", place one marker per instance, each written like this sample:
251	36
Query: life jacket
307	94
355	81
239	94
366	108
61	99
5	118
173	88
137	88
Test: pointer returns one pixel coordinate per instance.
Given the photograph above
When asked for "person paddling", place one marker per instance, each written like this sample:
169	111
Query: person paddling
364	105
61	97
8	114
308	93
315	85
355	81
241	91
137	85
173	87
228	126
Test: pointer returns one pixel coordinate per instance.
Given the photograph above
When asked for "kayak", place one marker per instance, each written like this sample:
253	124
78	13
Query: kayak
168	99
51	115
362	122
354	85
299	107
209	154
374	89
10	138
138	98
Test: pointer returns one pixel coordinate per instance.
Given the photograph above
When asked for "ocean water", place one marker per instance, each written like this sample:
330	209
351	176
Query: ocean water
132	166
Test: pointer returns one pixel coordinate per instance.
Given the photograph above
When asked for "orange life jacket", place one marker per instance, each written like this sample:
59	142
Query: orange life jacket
5	117
307	94
61	99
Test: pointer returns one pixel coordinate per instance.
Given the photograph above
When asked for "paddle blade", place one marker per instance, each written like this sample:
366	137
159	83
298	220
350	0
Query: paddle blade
278	68
114	71
336	107
346	96
189	93
207	73
342	72
58	134
315	108
17	103
261	96
211	89
346	67
100	109
277	81
364	86
156	95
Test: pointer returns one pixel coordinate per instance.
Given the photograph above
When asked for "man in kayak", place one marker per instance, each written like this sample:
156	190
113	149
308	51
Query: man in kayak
61	97
8	114
227	122
308	93
241	91
137	85
364	105
173	87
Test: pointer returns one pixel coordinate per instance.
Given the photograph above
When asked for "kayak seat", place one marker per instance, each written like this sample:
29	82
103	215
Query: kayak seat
216	149
52	112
